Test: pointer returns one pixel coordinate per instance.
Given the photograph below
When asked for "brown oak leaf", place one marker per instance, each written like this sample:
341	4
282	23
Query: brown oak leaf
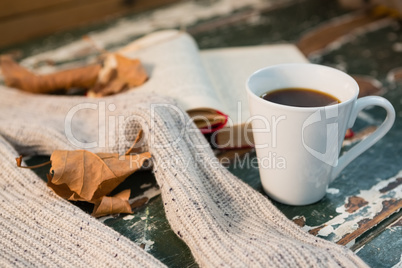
18	77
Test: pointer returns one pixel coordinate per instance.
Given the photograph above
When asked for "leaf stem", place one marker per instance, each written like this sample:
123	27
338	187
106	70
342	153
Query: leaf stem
19	161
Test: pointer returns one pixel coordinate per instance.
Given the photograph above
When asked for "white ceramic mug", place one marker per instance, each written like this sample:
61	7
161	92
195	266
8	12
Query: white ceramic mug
298	148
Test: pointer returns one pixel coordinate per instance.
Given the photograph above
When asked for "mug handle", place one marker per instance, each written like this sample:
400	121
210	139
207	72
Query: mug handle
369	141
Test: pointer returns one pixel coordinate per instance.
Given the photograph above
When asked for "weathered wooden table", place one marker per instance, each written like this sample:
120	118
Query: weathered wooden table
362	208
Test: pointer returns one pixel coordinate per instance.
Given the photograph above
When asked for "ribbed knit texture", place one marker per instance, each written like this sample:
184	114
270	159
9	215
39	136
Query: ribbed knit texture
223	220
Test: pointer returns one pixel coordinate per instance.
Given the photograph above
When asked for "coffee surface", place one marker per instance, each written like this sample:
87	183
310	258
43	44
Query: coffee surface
300	97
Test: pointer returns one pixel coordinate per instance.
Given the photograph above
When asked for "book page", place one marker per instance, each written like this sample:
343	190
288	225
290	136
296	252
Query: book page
173	63
229	68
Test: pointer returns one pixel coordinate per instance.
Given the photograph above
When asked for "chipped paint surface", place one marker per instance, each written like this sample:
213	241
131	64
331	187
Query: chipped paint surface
354	203
362	247
145	185
150	193
105	218
143	241
147	244
364	210
128	217
332	191
299	220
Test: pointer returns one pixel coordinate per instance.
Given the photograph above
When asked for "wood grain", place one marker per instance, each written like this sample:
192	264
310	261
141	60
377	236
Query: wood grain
389	207
320	37
19	7
49	18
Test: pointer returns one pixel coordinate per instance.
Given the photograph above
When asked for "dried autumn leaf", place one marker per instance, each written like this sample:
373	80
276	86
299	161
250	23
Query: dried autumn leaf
118	74
18	77
90	176
108	71
112	204
131	71
61	190
112	87
84	176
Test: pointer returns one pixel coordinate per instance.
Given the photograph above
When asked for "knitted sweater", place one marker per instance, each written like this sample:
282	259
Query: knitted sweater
222	220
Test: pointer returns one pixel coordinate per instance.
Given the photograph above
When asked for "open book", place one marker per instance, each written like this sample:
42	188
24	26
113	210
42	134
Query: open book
209	85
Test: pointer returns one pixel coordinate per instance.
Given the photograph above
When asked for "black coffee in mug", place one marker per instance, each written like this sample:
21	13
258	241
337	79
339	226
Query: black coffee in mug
300	97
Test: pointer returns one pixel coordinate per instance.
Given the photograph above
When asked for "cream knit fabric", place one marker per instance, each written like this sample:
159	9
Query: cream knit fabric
223	221
39	229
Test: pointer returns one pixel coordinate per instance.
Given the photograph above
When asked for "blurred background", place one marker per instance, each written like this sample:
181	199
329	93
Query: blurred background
24	20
